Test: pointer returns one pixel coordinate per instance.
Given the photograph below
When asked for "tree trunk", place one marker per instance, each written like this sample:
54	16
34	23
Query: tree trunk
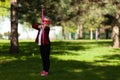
107	31
14	48
115	37
70	36
80	32
91	34
119	35
63	33
96	34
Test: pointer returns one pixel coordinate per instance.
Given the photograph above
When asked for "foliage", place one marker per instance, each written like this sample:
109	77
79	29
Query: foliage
69	13
93	18
89	13
4	8
70	26
7	34
30	11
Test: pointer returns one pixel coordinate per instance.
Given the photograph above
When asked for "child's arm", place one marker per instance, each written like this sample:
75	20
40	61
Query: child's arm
36	26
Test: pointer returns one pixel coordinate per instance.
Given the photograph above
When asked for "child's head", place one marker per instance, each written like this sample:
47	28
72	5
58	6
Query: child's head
46	21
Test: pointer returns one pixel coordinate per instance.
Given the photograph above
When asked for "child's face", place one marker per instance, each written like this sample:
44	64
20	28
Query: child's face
46	21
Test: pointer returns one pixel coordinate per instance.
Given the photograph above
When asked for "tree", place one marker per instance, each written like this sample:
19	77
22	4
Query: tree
107	7
7	34
4	7
57	10
14	48
92	17
88	13
112	8
116	25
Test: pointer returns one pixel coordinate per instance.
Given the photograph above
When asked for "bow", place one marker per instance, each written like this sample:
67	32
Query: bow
42	19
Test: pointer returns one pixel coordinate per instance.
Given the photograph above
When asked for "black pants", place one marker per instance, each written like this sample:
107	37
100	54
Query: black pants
45	55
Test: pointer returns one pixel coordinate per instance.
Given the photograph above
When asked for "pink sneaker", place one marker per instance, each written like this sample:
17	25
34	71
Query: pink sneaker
44	73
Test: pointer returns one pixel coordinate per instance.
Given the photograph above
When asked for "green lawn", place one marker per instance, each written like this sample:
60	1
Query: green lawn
70	60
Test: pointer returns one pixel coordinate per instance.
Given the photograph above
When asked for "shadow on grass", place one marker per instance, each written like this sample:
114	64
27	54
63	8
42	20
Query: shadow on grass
115	57
26	66
28	69
57	47
80	70
63	47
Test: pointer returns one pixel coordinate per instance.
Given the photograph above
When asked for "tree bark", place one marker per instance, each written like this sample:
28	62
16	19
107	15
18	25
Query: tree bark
80	32
107	31
115	37
91	34
14	48
63	32
96	34
99	33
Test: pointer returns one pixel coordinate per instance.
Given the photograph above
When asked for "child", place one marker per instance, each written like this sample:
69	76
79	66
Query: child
43	41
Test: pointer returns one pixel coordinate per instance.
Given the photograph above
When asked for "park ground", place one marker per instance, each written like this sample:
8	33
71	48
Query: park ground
70	60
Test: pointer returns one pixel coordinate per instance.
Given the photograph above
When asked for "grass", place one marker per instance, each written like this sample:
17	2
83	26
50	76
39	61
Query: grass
70	60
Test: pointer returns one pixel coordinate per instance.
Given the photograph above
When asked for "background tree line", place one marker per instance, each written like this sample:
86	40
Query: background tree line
70	14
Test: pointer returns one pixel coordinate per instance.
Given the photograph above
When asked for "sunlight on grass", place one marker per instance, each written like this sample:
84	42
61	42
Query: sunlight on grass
94	54
73	60
76	70
23	58
6	59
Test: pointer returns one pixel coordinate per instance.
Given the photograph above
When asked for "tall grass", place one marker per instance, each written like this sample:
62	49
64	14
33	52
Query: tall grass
70	60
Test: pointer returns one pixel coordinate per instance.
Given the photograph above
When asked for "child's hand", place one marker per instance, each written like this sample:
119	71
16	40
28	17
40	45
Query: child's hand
39	26
42	26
